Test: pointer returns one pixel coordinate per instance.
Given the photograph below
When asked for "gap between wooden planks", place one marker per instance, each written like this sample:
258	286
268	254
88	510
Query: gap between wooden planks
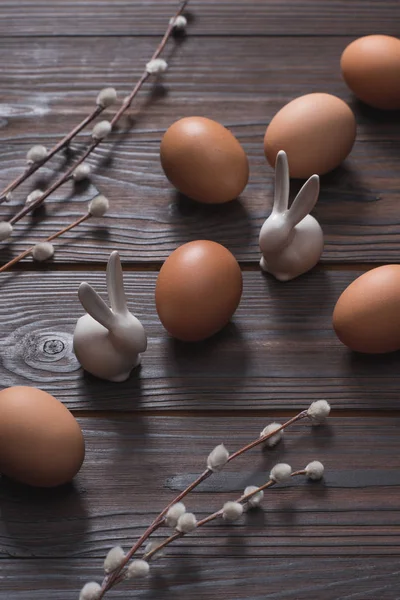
155	266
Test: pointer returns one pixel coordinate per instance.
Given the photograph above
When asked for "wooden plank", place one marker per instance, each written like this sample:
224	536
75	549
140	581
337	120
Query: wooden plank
124	17
358	203
339	539
148	220
337	578
48	84
280	352
135	465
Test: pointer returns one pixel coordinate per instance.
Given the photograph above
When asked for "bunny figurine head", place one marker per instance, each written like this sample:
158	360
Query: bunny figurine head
108	341
291	240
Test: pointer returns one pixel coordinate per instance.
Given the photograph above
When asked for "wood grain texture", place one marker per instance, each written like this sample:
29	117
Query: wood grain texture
48	84
132	470
337	578
226	17
358	202
279	352
147	220
148	437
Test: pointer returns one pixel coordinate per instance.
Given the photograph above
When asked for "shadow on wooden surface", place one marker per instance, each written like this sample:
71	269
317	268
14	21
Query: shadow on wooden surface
241	62
135	465
243	90
279	351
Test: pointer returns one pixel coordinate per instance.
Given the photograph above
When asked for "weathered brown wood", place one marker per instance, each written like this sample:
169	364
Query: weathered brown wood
49	84
234	17
279	352
148	437
147	220
332	578
135	465
358	203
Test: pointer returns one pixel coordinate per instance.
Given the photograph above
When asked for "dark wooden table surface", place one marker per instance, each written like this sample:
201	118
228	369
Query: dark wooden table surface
241	61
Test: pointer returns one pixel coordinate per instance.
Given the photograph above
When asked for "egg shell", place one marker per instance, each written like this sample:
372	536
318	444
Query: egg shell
41	443
204	161
371	68
198	290
366	317
317	132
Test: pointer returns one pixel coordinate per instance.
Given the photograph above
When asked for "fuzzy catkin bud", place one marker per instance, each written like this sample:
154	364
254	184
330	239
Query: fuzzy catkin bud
318	412
107	97
82	172
137	569
90	591
174	512
281	473
186	523
257	498
218	458
6	230
43	251
36	154
156	66
33	196
315	470
114	559
179	22
9	197
98	206
101	130
273	440
232	511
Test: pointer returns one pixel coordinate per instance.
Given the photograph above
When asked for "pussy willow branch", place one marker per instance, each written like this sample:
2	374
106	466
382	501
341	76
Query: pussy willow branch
112	579
216	515
301	415
52	152
96	142
26	253
67	175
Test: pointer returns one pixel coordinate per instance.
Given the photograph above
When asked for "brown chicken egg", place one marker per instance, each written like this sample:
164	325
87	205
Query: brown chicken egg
41	443
371	68
204	161
198	289
317	132
367	315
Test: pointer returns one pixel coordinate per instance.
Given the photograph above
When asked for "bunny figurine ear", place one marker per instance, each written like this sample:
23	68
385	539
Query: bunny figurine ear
305	201
95	306
282	182
115	284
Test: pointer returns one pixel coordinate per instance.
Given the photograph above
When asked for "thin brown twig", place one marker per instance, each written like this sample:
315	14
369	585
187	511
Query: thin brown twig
95	142
49	239
115	577
59	146
262	439
216	515
67	175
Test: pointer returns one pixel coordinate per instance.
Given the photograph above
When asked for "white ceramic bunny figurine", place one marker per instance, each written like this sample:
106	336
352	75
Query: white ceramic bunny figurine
291	240
108	342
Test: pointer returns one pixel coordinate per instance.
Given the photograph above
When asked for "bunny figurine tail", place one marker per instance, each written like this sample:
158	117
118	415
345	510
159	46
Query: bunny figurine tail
291	240
108	342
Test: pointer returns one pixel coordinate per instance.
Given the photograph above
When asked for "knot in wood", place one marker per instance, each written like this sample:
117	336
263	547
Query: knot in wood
53	347
39	347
